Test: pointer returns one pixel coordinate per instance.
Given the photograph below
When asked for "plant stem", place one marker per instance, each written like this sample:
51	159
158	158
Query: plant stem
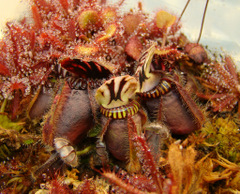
3	105
85	151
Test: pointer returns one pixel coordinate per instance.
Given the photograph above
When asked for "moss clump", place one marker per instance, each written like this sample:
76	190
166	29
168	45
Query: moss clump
223	134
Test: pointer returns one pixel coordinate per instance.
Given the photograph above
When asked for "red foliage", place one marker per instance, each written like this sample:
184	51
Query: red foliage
57	186
29	51
4	70
221	84
88	187
147	160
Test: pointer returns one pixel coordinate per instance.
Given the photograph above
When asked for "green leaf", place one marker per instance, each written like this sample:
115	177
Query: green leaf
94	131
6	123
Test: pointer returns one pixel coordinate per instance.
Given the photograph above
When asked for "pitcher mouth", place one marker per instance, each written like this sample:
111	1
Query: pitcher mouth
162	88
121	112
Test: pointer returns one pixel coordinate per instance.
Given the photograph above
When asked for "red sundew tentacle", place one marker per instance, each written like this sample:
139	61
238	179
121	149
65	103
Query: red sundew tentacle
71	29
22	48
230	67
226	103
65	5
51	39
15	52
18	86
4	70
32	38
87	187
218	84
221	78
15	106
43	6
56	24
145	157
148	161
74	4
227	77
112	177
42	76
209	96
101	136
36	18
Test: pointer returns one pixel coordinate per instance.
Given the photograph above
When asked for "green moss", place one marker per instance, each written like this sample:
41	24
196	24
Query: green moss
224	133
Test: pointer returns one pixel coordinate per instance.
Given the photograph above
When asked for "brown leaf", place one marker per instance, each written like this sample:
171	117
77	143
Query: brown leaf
175	160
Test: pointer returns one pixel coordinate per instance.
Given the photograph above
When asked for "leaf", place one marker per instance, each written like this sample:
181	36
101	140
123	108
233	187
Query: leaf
131	22
86	50
175	160
87	18
95	131
164	19
113	178
109	32
182	162
134	47
109	15
6	123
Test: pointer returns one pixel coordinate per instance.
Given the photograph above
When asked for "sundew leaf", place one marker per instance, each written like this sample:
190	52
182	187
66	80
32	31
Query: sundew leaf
109	32
133	47
131	22
6	123
86	50
88	17
164	19
109	15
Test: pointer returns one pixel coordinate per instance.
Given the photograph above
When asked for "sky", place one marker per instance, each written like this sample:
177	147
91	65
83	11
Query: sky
220	32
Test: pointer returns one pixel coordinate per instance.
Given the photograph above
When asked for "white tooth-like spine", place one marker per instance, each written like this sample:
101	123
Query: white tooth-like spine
66	151
61	72
64	72
59	68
